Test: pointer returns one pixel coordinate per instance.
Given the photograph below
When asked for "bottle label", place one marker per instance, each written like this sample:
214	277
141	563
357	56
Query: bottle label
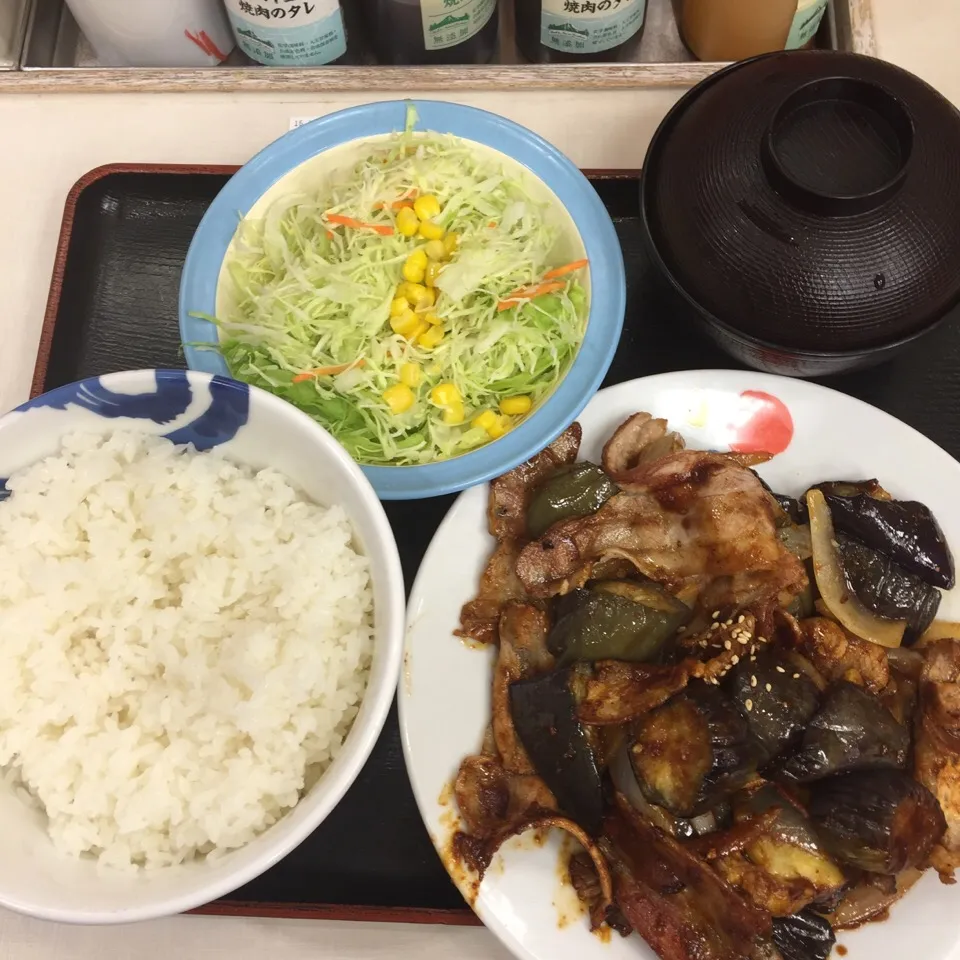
806	23
289	32
589	26
449	22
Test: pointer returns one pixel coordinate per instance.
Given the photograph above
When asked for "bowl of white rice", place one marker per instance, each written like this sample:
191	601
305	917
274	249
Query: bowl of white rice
201	621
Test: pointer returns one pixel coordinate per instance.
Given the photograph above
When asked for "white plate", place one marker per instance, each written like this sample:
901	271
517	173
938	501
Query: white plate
445	687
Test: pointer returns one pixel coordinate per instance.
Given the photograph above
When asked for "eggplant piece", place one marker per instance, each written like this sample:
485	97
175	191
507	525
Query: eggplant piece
886	588
616	620
804	936
903	530
836	595
575	490
791	510
544	711
783	867
776	700
852	488
851	731
693	751
882	821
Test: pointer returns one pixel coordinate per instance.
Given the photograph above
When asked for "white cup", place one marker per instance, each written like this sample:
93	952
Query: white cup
142	33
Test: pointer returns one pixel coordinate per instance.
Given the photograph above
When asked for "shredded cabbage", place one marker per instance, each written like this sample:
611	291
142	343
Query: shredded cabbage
309	294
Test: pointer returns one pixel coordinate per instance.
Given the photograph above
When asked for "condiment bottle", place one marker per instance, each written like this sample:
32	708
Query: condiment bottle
431	31
734	29
806	23
287	33
551	31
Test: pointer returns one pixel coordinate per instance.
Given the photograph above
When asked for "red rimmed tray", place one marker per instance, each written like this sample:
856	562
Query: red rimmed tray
113	306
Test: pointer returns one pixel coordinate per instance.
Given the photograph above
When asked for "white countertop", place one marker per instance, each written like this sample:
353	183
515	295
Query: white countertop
49	141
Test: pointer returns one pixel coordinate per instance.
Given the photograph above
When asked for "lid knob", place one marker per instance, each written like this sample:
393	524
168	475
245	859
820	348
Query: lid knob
838	146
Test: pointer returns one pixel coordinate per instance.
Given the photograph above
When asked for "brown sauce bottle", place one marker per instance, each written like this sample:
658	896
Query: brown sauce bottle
579	31
431	31
734	29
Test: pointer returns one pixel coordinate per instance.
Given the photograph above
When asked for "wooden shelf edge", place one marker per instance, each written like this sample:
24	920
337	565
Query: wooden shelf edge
355	79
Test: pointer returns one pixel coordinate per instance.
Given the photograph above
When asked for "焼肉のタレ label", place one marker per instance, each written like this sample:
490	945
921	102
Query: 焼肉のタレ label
289	32
449	22
589	26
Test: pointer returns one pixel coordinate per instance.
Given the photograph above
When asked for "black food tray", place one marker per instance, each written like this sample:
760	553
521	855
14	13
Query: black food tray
113	306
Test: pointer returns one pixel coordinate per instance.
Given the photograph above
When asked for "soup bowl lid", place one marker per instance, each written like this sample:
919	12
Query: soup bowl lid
810	199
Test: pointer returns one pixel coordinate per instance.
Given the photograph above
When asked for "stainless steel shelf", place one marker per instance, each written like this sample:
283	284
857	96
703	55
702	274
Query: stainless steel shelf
57	56
14	15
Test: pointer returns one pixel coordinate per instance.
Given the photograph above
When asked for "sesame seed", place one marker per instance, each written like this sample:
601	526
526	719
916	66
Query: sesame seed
744	640
753	681
727	644
741	618
749	704
769	688
796	676
780	670
714	626
753	659
715	614
762	639
728	623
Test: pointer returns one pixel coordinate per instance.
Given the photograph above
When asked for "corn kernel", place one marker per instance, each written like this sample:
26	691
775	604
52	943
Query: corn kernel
498	429
421	328
453	414
432	274
405	323
430	337
410	374
433	318
443	394
450	243
397	306
407	222
485	420
515	406
399	398
431	231
434	250
413	292
426	207
426	301
415	266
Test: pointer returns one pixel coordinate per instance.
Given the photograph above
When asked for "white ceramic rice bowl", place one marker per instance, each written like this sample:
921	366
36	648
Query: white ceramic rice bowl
259	430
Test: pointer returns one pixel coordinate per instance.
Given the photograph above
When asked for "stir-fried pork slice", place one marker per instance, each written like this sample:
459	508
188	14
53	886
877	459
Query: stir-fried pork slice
674	900
686	515
510	494
639	439
523	653
498	585
937	743
619	692
839	655
490	799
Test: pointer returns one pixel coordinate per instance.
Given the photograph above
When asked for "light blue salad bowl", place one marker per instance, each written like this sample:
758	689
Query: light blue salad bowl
253	428
201	274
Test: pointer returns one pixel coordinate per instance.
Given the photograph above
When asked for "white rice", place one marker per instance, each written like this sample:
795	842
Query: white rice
184	645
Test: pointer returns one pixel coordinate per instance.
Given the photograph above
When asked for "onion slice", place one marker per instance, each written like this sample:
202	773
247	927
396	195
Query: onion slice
840	600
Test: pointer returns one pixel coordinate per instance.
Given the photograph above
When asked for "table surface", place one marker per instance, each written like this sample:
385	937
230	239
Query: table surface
49	141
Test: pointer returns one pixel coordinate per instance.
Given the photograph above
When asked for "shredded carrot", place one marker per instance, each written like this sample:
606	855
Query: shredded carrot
528	293
565	269
330	234
328	371
385	230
